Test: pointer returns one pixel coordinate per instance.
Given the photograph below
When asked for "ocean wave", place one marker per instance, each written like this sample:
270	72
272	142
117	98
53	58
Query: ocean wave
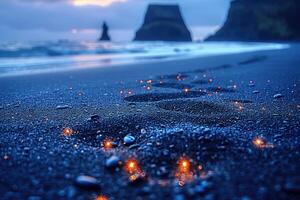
42	57
63	48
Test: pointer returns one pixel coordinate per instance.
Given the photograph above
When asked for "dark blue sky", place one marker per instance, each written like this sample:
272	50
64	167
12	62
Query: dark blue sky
80	19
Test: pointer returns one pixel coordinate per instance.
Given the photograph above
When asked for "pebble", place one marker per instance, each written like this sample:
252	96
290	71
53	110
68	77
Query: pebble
143	131
94	117
87	182
112	162
129	140
62	107
99	137
132	104
26	149
277	96
206	130
31	134
134	146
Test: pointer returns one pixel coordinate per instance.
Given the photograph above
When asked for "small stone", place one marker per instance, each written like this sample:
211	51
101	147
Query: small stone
132	104
221	147
129	140
62	107
99	137
278	96
143	131
26	149
87	182
112	162
94	117
206	130
134	146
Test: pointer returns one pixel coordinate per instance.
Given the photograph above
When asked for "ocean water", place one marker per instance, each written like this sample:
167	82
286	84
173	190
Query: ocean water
43	57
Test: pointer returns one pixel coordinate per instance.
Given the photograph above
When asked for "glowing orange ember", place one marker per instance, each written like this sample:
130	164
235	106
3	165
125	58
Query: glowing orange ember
101	197
184	165
184	172
107	144
259	142
132	166
67	131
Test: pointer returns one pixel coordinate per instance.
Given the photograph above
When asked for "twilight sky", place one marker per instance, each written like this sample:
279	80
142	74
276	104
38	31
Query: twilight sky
81	19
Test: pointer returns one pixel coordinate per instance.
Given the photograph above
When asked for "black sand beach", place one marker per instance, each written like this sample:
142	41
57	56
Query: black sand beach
234	119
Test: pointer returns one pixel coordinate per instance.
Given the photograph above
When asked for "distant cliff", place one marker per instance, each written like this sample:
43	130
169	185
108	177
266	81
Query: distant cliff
163	23
261	20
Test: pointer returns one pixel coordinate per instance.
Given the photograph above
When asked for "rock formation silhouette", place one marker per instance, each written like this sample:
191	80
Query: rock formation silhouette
261	20
105	35
163	23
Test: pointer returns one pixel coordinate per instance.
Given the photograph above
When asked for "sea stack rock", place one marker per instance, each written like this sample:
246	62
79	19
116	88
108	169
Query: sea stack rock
163	23
105	36
261	20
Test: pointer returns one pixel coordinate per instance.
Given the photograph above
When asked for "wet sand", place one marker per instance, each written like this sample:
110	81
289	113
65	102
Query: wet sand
223	127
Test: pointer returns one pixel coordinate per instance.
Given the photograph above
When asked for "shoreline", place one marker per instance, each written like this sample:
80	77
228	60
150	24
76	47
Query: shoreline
66	63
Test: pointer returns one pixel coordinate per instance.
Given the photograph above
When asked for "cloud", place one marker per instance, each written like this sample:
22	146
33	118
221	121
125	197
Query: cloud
63	16
95	2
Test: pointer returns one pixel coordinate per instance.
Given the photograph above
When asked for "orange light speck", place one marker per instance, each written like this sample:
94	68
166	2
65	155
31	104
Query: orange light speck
183	173
67	131
259	142
101	197
107	144
184	165
132	166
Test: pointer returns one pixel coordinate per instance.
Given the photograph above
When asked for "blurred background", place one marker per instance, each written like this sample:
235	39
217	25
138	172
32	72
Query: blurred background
31	20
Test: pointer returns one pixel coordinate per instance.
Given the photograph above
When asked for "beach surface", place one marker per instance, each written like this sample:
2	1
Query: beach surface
231	120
